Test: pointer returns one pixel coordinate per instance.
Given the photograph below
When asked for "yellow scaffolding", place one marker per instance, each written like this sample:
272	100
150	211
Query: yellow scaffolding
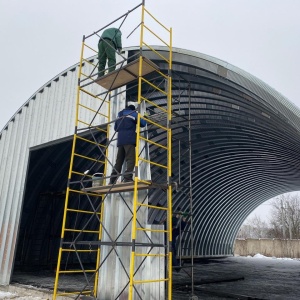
167	127
86	113
82	242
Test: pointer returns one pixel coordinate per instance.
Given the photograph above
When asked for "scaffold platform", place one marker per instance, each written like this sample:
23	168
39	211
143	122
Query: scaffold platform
124	187
126	74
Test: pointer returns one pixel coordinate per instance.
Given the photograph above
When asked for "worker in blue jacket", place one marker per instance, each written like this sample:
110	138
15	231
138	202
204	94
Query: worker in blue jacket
125	125
109	42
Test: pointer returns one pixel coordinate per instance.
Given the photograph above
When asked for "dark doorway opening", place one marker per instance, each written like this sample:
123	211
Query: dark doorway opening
43	207
42	211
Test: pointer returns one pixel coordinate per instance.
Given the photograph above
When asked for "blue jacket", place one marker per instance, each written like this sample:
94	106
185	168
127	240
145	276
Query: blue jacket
125	125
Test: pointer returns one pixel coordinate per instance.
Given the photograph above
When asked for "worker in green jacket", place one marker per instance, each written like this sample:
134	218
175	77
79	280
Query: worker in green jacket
109	43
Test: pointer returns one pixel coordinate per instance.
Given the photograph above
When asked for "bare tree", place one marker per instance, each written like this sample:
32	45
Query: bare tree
285	216
255	228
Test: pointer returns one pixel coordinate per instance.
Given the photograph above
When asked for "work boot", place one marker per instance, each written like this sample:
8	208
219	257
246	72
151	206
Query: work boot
127	180
100	74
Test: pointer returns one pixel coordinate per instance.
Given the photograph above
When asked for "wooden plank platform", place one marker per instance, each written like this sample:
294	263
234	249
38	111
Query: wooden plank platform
124	187
126	74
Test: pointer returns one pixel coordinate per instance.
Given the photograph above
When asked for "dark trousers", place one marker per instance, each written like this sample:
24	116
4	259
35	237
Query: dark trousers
106	51
175	234
125	153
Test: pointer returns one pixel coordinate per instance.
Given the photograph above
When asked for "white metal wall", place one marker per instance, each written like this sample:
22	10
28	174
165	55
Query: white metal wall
47	116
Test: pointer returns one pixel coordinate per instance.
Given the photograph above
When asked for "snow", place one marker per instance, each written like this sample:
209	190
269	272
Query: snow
265	277
8	295
258	255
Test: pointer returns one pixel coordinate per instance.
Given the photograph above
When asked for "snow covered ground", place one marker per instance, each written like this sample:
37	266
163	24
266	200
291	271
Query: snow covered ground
8	295
258	277
258	255
24	292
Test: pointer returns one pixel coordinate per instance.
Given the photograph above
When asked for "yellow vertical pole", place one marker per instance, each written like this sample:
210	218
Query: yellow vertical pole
170	165
69	176
101	210
135	193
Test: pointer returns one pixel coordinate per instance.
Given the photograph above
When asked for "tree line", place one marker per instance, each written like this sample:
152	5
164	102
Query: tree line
283	223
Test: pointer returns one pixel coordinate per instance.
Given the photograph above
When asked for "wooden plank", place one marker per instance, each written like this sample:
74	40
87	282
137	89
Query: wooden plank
126	74
117	188
123	187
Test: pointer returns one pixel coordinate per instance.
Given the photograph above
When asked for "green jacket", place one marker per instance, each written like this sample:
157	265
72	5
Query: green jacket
114	35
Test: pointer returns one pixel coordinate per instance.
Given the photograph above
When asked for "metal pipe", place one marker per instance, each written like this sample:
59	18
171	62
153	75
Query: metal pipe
191	193
124	15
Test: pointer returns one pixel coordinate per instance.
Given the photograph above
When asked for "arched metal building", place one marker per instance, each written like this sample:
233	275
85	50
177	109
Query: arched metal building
245	140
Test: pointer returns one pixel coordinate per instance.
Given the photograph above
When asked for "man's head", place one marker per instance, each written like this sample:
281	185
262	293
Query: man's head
130	107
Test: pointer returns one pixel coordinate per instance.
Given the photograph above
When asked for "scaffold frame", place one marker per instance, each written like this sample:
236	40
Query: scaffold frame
94	130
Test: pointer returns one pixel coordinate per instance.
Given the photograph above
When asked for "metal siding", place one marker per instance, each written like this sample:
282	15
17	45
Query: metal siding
8	230
53	114
39	120
17	181
47	116
33	115
3	194
57	111
251	82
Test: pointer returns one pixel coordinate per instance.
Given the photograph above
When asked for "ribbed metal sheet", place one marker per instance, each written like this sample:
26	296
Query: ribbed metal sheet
47	116
245	145
245	138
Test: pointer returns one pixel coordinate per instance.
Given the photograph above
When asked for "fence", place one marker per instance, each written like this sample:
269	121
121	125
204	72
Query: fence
267	247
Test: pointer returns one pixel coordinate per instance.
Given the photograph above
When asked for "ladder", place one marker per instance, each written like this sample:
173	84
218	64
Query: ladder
89	247
138	254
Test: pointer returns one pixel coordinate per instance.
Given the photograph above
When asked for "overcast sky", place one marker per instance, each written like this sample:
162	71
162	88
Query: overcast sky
39	39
